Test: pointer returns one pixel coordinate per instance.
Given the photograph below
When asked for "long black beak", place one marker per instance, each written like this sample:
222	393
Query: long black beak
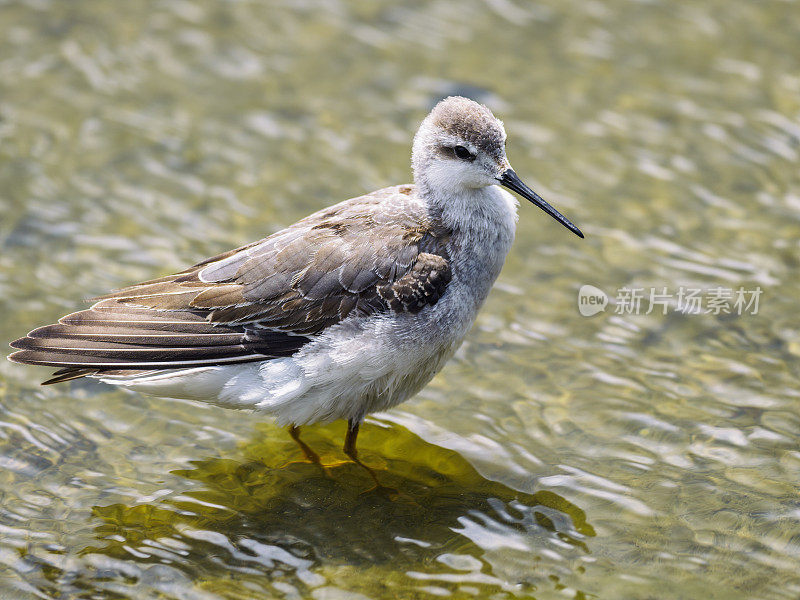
512	181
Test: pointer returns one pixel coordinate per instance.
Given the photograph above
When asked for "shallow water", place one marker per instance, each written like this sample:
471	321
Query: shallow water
557	455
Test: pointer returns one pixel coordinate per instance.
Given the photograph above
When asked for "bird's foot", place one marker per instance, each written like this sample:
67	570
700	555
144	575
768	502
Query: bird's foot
310	456
377	487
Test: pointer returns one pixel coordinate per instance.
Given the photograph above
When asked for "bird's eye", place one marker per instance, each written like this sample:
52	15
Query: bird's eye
462	153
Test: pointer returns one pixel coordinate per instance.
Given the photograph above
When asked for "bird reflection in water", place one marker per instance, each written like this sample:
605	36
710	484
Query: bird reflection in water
260	514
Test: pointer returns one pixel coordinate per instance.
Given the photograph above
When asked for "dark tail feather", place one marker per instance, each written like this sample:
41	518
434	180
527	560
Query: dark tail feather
68	374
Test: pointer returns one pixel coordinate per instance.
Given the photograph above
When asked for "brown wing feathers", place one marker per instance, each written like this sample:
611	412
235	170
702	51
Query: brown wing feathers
422	286
260	301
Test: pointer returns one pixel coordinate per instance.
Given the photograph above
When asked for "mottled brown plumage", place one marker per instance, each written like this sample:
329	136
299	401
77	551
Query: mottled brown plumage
264	300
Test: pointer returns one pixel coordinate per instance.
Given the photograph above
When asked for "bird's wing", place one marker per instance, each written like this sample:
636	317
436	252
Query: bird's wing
379	252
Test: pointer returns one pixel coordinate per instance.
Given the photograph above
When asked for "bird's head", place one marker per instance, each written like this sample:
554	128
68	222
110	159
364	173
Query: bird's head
462	145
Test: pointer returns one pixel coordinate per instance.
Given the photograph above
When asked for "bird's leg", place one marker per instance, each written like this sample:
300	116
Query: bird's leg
312	456
351	451
350	440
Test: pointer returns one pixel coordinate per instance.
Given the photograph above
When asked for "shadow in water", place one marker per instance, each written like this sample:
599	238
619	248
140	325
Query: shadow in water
270	513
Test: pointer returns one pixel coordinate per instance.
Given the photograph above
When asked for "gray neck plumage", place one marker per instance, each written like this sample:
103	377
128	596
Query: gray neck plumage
482	221
484	212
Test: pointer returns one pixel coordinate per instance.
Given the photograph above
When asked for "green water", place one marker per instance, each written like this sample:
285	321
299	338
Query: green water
556	456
